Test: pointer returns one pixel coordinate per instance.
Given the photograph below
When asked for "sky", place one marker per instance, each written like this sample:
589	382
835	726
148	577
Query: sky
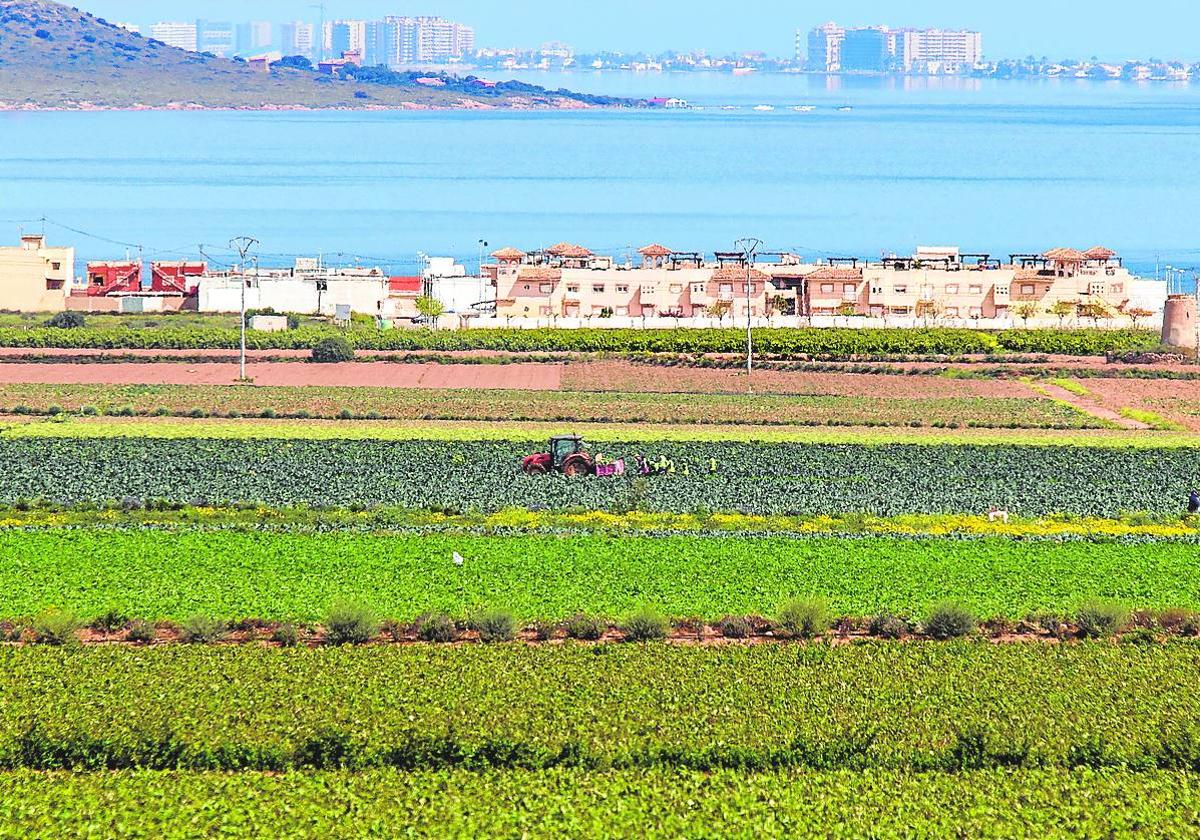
1109	29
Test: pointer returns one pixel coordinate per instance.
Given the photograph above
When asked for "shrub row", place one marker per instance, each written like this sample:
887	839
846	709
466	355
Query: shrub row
349	623
333	748
842	343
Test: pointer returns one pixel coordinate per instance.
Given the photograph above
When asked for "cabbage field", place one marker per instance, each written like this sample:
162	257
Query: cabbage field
757	478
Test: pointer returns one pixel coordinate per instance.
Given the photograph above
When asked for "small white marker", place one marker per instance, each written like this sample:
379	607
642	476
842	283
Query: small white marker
458	559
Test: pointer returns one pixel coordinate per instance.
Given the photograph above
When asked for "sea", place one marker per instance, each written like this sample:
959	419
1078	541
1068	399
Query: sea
822	166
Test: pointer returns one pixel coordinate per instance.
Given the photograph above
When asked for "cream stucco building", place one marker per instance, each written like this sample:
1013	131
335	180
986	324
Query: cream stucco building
35	277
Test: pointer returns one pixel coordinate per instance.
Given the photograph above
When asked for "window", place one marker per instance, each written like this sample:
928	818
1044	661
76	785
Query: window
527	287
951	311
622	310
598	288
699	288
900	290
622	288
952	289
649	290
545	310
1027	289
1002	291
976	312
56	266
54	284
1118	288
849	289
573	288
826	288
975	289
676	289
546	288
752	290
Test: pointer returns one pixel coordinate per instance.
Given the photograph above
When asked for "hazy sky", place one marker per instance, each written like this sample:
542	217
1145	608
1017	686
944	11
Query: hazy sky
1111	29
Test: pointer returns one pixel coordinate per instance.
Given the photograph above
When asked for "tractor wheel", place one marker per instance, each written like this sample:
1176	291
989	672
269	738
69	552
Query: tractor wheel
536	469
575	469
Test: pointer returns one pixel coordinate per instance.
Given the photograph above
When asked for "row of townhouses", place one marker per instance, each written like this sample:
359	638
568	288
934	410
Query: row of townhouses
569	281
570	285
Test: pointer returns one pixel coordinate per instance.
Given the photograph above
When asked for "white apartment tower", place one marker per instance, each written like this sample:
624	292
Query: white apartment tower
932	50
181	35
297	38
825	48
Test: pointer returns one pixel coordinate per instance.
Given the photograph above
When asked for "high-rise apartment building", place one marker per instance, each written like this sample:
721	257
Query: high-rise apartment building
343	36
297	38
866	50
254	36
173	34
825	48
832	49
931	50
398	41
215	36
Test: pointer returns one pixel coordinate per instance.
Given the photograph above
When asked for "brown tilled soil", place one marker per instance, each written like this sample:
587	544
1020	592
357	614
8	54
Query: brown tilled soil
526	377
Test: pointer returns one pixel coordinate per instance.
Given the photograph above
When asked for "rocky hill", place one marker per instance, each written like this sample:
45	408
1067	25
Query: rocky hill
55	56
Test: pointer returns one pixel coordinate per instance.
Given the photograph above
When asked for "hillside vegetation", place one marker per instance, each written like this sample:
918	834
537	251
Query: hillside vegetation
55	56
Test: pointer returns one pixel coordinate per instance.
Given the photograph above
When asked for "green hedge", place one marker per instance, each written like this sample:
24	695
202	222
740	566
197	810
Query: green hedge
757	478
780	342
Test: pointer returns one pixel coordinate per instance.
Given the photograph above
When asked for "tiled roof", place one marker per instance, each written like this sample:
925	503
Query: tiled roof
508	254
655	250
828	272
1099	253
537	274
735	274
566	249
410	285
1064	255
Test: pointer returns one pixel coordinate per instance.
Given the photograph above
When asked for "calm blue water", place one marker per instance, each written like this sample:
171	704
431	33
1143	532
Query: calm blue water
992	166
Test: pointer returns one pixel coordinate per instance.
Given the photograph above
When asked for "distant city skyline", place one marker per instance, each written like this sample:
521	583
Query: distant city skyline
1107	29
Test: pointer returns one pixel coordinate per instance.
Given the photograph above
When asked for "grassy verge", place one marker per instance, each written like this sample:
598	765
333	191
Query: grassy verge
297	576
651	803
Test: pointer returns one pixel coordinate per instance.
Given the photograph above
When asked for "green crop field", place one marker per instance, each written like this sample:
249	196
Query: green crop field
757	478
929	706
650	803
296	576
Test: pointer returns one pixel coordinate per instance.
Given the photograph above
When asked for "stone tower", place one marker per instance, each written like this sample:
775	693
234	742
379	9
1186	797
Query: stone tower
1179	321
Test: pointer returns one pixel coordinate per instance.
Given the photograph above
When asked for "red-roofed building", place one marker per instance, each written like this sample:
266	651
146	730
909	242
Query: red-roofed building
177	277
113	278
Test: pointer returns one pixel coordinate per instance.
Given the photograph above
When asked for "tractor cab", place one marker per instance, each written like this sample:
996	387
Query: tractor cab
563	447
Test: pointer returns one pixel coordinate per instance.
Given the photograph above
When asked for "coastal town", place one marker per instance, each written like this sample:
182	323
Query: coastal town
569	285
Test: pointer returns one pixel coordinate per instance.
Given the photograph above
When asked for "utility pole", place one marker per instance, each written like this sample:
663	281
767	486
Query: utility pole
482	286
242	245
749	248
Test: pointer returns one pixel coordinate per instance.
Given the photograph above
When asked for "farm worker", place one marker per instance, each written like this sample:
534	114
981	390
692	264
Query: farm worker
1194	502
601	459
643	466
687	471
712	466
661	465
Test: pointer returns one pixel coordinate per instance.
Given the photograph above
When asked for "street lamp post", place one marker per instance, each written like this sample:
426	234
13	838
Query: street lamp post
482	286
749	248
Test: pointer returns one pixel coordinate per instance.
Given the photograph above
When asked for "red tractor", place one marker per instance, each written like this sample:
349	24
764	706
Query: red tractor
568	455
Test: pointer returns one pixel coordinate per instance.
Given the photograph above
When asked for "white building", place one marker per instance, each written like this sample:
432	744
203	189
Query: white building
343	36
181	35
297	38
825	48
939	50
216	37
